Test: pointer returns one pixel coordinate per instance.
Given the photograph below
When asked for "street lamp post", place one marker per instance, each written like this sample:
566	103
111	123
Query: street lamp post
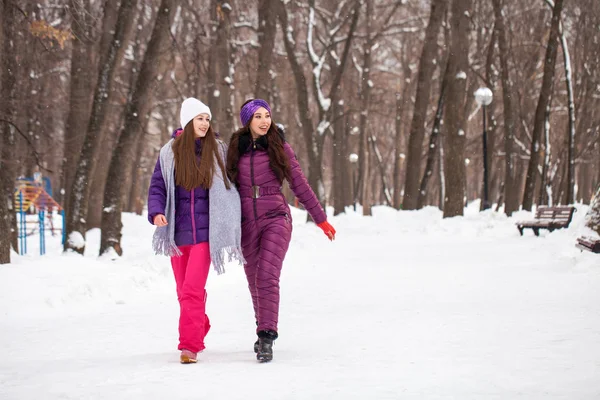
483	97
353	158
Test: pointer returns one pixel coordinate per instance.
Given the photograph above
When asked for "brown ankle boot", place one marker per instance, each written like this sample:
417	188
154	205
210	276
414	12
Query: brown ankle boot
187	357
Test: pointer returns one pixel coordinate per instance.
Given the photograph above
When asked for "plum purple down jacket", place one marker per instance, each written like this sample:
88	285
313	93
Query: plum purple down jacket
254	170
191	207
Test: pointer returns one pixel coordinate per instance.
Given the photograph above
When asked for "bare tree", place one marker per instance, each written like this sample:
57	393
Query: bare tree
8	12
571	128
386	193
545	196
366	137
267	30
220	73
434	140
330	109
511	200
427	64
340	160
364	152
313	144
327	105
136	116
543	103
77	211
81	89
402	103
454	114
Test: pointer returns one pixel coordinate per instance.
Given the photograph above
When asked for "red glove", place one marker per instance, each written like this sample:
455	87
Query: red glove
328	229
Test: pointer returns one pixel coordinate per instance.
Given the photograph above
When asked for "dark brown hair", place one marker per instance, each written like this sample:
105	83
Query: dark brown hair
278	160
190	173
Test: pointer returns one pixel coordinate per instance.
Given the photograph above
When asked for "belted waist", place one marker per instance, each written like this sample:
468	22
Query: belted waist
257	191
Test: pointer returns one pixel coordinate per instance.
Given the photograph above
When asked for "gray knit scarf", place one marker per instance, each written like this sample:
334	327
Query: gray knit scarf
224	211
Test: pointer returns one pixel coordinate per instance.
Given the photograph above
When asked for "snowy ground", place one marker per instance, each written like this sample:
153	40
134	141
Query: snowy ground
403	305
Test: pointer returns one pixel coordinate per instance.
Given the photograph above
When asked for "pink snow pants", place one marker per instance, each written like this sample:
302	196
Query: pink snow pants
191	272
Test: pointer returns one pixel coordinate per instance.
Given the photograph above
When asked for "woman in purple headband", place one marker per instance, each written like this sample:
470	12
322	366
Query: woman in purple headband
258	161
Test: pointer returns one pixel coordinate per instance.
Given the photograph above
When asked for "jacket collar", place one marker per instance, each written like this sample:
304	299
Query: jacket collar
245	143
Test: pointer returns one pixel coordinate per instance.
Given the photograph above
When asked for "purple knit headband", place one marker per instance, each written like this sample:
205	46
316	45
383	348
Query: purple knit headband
247	112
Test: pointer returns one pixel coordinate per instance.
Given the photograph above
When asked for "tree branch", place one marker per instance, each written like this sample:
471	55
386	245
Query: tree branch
35	153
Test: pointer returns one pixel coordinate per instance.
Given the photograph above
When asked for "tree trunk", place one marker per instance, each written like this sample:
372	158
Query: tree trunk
543	102
571	100
400	100
341	165
441	172
315	178
81	89
267	30
84	67
103	156
401	107
77	212
136	201
110	16
545	196
8	113
4	211
7	92
433	140
364	153
106	141
210	89
571	126
3	53
220	71
385	189
417	128
340	158
511	199
138	110
454	114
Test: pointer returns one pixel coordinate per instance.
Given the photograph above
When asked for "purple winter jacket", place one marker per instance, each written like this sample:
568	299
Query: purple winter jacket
188	203
254	170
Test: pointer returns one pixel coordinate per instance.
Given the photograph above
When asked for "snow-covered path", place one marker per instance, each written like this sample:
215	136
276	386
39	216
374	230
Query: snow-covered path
403	305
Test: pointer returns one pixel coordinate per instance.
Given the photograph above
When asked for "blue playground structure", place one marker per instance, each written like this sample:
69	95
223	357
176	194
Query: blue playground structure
35	195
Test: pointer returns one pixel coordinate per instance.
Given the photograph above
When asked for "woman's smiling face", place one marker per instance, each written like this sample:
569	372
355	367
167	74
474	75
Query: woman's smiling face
261	122
201	124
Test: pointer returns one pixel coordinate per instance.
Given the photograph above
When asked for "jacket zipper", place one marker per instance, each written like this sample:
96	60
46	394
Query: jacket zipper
193	216
252	178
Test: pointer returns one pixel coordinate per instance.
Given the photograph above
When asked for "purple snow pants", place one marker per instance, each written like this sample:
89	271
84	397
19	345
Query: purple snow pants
264	243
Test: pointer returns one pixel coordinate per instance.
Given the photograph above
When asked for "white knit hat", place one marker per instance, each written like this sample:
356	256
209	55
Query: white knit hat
190	109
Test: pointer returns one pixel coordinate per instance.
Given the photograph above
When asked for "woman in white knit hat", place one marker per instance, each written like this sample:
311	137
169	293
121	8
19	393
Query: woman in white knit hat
197	215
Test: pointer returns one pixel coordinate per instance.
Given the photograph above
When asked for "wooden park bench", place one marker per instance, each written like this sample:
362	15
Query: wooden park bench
550	218
589	244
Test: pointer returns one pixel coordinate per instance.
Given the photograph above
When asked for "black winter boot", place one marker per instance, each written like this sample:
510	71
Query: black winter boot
256	343
265	345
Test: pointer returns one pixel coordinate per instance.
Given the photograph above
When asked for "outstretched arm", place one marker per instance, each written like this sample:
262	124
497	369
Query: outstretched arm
301	188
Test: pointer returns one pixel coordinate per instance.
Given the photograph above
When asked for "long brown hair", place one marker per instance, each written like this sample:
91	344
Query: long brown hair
190	173
278	160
